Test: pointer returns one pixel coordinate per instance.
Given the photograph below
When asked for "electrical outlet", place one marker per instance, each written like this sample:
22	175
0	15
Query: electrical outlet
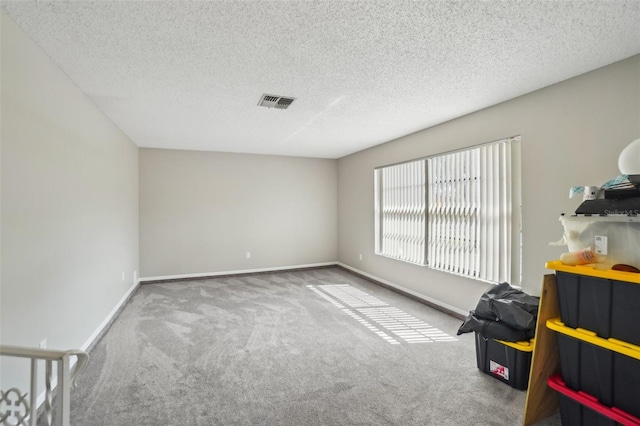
247	255
135	276
122	276
43	344
601	244
360	256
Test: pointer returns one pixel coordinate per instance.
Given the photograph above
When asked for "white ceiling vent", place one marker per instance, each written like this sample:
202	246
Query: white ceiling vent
273	101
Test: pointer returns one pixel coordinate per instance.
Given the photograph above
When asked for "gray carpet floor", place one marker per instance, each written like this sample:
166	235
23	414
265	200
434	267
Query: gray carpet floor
311	347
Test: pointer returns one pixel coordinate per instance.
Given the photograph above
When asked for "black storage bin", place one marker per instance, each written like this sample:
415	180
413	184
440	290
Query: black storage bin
605	302
609	376
578	408
506	361
572	413
585	302
625	312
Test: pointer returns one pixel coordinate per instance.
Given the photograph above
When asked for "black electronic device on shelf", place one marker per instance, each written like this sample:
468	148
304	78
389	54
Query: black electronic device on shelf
622	199
604	206
619	194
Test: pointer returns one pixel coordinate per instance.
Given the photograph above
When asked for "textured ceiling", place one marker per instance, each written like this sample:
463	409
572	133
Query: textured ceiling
189	74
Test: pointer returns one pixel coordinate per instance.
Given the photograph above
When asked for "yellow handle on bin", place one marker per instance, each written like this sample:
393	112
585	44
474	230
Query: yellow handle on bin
588	336
609	274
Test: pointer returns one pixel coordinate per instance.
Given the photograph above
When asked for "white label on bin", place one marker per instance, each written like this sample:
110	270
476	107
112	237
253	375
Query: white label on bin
601	244
498	370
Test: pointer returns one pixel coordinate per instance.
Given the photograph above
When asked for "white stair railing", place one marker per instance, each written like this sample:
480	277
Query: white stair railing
16	410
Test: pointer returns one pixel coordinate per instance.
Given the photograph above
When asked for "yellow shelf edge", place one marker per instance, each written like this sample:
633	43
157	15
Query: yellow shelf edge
612	344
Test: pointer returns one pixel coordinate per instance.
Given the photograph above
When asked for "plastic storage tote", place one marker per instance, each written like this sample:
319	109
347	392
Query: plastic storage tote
605	302
606	369
622	233
580	409
508	362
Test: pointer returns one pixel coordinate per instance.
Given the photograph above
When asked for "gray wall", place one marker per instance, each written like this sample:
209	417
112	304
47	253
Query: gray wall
200	212
572	134
69	204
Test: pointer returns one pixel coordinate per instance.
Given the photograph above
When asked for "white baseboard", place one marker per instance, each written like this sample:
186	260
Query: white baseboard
110	317
95	335
427	299
236	272
413	293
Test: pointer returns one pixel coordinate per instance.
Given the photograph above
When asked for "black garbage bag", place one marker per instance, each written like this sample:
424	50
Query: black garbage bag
511	306
492	329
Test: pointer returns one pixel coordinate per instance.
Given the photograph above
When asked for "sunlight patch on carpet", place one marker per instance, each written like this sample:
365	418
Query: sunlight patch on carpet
351	296
388	322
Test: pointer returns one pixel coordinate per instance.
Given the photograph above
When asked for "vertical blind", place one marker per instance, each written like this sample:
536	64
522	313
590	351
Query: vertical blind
452	212
400	211
469	212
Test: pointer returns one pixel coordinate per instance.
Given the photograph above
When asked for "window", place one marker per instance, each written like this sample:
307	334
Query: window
457	212
400	211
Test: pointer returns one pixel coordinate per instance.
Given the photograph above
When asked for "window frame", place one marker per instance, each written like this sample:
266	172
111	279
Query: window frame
511	248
